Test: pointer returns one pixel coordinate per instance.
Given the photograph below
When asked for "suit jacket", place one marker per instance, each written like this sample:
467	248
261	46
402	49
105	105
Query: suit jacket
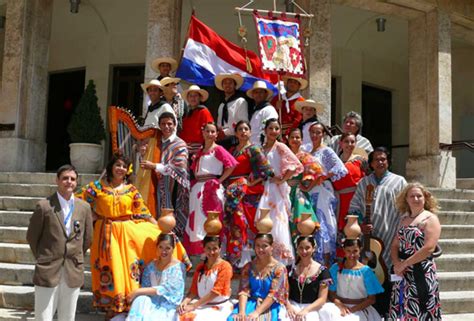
52	247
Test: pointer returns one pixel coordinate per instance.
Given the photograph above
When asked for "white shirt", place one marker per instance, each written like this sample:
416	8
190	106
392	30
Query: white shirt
258	122
66	206
153	118
237	110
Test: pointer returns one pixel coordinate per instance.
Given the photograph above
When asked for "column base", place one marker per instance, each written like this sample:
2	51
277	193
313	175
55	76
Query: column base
433	171
22	155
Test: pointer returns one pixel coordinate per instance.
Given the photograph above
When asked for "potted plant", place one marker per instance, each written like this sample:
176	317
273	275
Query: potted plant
86	130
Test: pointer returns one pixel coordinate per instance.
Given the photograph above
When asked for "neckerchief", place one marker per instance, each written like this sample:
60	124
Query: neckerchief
287	100
225	109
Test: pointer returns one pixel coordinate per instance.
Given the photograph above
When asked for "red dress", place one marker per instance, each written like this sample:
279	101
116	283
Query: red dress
193	123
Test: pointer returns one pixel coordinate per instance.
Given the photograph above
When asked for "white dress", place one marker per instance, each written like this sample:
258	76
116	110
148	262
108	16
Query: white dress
277	198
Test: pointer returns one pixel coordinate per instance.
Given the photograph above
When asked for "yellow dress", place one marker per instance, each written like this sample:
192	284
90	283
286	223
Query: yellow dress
124	243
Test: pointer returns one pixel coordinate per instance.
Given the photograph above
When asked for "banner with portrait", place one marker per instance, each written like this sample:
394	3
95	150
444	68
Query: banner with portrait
280	45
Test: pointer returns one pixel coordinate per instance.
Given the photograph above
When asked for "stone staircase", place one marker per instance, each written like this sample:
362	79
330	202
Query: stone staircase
19	193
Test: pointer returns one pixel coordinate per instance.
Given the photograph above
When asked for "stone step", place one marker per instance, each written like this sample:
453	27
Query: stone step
18	203
456	217
22	274
457	302
15	218
12	234
467	183
455	263
23	297
457	231
41	178
458	317
456	205
26	315
457	246
38	190
21	253
456	281
443	193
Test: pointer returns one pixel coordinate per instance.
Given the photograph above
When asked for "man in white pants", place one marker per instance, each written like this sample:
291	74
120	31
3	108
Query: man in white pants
59	234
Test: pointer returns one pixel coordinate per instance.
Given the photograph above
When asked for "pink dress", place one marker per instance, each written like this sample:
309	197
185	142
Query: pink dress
206	194
276	197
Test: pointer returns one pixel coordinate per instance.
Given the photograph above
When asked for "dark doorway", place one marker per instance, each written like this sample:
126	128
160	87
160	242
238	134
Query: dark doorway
126	89
65	91
377	116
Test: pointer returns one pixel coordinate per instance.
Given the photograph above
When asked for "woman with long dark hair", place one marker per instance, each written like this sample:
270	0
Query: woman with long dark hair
125	236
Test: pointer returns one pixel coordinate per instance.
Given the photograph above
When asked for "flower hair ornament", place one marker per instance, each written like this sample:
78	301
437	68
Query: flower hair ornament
130	169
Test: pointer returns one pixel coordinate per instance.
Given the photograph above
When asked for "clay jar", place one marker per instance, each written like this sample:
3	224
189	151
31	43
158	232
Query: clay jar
352	229
213	225
264	224
166	222
306	226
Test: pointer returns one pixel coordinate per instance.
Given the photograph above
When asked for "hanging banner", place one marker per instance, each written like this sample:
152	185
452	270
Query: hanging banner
280	45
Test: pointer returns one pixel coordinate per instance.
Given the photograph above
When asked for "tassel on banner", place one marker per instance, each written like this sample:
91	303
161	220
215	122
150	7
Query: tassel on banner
249	65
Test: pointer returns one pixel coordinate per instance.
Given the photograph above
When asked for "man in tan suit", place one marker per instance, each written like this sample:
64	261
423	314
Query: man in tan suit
59	234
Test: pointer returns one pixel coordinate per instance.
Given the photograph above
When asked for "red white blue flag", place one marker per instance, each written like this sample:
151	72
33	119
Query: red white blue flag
207	54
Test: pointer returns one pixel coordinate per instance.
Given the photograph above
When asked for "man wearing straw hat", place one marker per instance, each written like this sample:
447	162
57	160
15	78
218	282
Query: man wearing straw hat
233	108
290	117
164	66
171	95
262	112
197	116
157	106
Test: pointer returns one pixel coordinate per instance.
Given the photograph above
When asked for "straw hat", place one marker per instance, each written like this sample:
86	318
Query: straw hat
361	152
167	60
303	82
204	94
260	84
309	103
169	80
153	82
239	80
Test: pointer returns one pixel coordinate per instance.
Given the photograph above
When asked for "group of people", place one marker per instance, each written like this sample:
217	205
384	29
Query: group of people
266	157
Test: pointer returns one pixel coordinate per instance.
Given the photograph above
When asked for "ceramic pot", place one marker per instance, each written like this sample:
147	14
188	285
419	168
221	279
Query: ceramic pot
213	225
86	158
306	226
166	222
265	223
352	229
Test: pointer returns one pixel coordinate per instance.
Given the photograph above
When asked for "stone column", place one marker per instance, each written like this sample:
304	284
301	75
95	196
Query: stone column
163	37
318	57
23	95
430	100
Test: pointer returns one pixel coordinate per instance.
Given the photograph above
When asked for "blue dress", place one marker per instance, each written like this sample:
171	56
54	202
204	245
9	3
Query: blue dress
272	283
169	285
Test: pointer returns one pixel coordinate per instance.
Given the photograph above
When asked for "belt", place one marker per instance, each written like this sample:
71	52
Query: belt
351	301
203	178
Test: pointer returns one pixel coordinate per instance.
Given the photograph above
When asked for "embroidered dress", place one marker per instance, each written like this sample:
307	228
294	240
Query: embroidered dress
420	278
304	291
169	285
384	214
273	283
354	285
325	203
206	194
216	280
241	202
123	243
276	198
171	182
301	201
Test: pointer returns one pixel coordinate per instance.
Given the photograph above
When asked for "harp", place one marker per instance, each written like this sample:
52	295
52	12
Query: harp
127	136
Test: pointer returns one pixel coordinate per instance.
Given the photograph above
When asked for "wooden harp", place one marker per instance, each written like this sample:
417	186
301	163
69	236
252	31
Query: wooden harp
127	136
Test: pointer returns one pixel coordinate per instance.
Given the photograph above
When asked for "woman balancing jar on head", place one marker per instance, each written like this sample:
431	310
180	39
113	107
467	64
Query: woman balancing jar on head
301	200
162	285
208	297
276	194
354	284
263	289
211	166
411	253
122	220
355	161
322	194
309	281
243	194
